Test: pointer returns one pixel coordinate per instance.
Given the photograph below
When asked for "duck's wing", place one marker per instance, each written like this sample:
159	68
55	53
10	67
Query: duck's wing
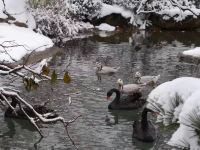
148	79
131	88
109	69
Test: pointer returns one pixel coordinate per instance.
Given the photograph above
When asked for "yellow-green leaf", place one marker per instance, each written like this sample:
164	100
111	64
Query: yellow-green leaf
53	76
45	70
67	78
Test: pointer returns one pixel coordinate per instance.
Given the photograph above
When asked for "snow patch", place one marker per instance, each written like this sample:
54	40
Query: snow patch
110	9
21	36
105	27
193	52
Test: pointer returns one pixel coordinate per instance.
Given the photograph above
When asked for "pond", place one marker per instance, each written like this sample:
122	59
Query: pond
157	55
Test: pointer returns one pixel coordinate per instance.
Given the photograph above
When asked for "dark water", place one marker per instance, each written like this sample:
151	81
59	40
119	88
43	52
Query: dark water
91	131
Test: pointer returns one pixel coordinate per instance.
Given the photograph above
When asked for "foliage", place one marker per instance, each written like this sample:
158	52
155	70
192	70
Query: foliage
85	9
56	23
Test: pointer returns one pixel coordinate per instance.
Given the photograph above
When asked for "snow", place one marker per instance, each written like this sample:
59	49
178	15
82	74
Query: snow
18	10
193	52
185	137
110	9
105	27
20	36
40	66
178	100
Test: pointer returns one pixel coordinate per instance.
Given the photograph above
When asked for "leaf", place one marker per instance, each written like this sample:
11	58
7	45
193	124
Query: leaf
45	70
67	78
26	84
53	76
30	84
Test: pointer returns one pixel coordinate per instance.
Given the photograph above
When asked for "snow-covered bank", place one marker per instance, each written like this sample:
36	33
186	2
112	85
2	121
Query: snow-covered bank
21	36
191	56
193	52
177	101
110	9
18	10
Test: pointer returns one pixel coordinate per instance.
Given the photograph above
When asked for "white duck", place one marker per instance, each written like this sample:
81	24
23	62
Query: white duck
149	80
100	69
129	88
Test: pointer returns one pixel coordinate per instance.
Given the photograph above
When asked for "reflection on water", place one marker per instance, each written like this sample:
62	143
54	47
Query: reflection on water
157	55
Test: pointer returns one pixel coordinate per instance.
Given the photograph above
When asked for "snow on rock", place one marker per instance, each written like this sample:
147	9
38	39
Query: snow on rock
193	52
105	27
21	36
40	65
110	9
18	10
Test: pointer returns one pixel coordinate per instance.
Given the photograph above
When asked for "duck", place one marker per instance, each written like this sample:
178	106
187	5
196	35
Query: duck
148	80
144	130
100	69
126	101
129	88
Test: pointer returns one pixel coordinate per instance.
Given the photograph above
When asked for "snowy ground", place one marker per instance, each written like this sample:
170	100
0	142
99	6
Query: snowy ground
20	36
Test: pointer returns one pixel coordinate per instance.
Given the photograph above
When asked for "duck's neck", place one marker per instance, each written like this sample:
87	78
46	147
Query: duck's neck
117	97
138	79
144	120
101	67
120	87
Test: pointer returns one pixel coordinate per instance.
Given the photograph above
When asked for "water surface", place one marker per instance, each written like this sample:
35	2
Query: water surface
157	55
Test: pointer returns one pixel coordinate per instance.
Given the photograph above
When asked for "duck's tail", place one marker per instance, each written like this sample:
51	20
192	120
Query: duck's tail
117	68
156	78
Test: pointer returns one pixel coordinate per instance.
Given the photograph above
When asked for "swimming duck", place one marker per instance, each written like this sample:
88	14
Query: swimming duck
148	80
144	130
125	101
129	88
100	69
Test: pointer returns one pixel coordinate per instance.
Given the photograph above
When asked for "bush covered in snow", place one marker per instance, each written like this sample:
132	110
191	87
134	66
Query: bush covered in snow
55	22
85	9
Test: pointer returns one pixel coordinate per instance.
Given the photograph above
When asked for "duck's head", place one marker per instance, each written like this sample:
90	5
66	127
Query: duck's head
99	66
120	83
138	75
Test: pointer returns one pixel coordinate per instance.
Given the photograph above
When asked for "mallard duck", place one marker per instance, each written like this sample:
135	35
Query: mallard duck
100	69
129	88
125	101
149	80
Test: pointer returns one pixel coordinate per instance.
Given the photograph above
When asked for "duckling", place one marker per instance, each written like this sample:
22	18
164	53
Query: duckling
148	80
105	69
129	88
